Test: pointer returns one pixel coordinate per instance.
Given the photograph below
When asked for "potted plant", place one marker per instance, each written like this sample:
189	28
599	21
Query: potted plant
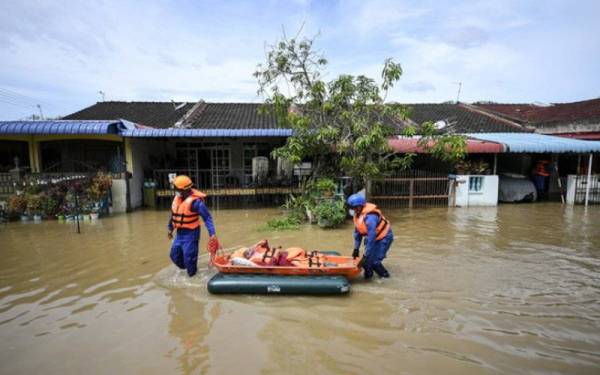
479	167
85	213
94	213
49	206
60	215
462	167
325	187
97	191
34	206
17	204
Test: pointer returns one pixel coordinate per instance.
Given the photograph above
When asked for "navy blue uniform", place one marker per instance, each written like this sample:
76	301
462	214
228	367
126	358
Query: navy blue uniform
184	251
375	251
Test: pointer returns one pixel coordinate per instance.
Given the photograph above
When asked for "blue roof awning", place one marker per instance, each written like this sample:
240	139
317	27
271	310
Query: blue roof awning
61	127
180	132
537	143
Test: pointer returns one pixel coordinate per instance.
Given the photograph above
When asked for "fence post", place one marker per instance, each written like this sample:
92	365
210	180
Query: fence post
454	183
589	180
411	190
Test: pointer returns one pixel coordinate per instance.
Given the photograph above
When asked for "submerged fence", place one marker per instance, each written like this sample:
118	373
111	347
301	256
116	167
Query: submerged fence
7	185
581	189
239	188
412	188
231	188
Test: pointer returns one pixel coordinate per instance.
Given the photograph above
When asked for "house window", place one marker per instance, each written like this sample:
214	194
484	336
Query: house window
475	184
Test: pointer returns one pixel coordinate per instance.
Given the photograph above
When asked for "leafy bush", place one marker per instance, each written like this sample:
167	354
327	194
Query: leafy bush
471	167
330	213
325	186
17	204
34	203
284	223
99	186
49	205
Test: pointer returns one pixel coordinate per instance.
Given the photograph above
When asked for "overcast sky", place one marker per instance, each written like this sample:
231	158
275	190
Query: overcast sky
60	54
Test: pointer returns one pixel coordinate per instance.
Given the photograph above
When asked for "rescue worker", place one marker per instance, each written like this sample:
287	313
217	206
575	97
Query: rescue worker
369	222
187	208
540	177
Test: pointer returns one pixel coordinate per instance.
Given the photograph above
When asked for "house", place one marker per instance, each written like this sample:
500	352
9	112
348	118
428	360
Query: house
225	147
214	143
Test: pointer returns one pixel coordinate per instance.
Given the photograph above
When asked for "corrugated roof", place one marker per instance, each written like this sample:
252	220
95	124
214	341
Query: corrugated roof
583	112
538	143
60	127
179	132
474	146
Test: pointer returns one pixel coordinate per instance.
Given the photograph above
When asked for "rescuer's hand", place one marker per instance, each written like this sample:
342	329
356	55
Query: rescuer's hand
170	235
355	254
213	244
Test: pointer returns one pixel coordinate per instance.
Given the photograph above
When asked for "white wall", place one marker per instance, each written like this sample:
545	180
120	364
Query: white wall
119	195
483	193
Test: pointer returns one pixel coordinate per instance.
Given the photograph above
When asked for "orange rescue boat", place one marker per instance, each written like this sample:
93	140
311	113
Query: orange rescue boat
262	259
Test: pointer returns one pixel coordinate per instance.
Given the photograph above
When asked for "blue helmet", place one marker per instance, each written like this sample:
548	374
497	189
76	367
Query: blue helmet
356	200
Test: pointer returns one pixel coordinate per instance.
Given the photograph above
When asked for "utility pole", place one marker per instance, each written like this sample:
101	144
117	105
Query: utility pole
101	93
459	87
41	113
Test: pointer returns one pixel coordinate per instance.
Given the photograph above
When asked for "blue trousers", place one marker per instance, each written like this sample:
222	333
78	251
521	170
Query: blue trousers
375	255
184	253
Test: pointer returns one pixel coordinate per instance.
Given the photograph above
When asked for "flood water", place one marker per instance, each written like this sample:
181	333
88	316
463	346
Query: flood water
507	290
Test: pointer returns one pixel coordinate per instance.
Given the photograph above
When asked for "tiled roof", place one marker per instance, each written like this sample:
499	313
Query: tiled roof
587	111
155	114
462	118
231	116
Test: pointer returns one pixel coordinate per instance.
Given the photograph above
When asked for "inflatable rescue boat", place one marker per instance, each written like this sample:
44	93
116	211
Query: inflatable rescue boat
260	269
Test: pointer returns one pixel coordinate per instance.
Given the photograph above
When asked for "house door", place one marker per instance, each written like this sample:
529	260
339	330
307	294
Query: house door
220	165
206	163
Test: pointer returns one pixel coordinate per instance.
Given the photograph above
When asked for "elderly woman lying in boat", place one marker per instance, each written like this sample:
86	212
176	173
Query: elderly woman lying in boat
262	259
263	255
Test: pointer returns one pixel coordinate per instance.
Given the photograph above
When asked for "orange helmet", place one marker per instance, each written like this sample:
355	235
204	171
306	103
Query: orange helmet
183	182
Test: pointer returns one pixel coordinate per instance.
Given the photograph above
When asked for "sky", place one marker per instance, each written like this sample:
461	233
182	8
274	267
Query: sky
61	54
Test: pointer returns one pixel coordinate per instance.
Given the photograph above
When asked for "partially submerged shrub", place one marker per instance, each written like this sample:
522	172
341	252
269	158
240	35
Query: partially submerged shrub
330	213
284	223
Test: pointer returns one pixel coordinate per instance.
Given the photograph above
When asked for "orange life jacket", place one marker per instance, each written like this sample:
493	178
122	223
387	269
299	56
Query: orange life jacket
540	169
383	226
182	215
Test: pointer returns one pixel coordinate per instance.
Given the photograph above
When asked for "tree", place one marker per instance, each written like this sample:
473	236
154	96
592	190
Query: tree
342	125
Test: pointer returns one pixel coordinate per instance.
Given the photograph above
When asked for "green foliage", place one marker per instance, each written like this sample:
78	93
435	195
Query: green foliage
342	125
17	204
285	223
49	205
99	186
471	167
34	203
330	213
50	197
325	186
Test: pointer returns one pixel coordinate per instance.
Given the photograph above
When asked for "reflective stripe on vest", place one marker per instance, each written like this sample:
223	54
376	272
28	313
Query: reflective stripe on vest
382	228
182	215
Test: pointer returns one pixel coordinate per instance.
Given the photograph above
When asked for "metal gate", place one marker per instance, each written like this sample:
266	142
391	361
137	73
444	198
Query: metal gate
412	188
581	187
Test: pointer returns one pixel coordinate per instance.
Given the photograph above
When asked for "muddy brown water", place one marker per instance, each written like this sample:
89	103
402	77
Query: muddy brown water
507	290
